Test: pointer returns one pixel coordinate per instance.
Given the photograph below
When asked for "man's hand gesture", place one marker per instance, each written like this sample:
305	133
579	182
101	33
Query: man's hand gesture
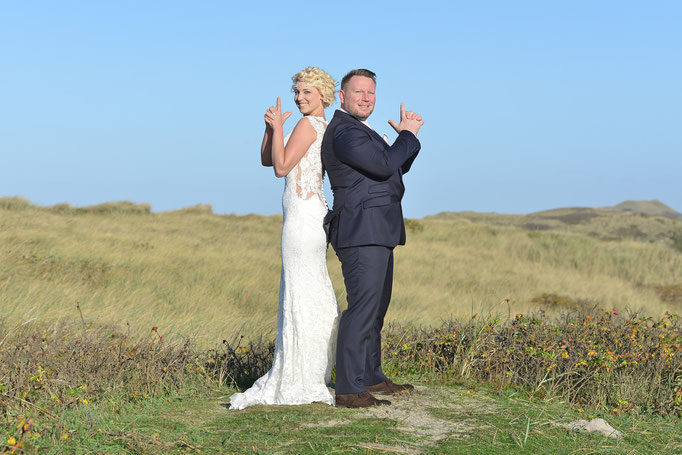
409	120
274	117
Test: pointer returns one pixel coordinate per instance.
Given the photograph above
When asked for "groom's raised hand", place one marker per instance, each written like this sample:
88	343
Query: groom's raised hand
409	120
274	117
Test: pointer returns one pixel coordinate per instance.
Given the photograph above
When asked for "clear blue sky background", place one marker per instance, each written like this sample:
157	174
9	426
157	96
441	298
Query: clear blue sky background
529	105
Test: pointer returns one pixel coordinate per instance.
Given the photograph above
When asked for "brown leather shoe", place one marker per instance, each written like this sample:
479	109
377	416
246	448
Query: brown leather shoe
389	387
358	400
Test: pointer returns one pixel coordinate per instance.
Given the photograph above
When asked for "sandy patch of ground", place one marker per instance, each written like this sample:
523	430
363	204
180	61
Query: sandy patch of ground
413	415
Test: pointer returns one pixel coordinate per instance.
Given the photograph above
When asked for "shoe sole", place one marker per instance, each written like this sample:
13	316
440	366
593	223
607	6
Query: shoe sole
345	406
401	392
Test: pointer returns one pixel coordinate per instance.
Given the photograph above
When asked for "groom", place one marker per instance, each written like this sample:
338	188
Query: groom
364	226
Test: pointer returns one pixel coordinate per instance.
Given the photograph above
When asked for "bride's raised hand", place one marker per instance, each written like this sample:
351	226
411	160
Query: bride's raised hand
274	117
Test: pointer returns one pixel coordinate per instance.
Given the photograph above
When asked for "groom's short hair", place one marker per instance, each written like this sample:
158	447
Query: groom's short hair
358	72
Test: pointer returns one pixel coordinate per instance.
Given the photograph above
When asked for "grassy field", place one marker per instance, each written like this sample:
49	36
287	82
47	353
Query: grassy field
94	390
212	277
448	420
113	319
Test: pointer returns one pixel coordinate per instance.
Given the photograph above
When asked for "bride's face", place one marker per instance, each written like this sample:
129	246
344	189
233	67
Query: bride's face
308	99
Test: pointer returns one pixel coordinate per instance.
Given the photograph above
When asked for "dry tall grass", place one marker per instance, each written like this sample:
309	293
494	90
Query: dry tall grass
191	272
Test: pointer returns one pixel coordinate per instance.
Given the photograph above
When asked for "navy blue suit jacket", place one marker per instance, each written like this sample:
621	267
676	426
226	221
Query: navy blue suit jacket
365	174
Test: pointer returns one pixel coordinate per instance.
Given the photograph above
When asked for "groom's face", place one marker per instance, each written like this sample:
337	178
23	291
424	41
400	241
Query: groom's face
358	97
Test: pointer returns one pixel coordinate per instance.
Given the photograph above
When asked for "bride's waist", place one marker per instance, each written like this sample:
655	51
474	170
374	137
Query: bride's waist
314	202
303	193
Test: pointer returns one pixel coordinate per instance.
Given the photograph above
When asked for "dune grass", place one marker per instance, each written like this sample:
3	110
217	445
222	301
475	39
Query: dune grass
211	277
141	366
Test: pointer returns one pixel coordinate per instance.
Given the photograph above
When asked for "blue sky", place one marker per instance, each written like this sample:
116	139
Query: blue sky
529	105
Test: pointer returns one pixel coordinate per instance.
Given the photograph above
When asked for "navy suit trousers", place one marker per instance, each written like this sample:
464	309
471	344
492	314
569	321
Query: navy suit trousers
368	276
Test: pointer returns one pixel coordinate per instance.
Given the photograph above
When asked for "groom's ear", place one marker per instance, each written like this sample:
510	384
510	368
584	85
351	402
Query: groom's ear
341	96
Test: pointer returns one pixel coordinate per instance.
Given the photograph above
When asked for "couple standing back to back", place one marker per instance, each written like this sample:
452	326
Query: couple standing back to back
364	225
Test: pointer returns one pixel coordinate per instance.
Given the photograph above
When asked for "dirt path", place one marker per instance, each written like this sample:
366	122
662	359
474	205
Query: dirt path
414	415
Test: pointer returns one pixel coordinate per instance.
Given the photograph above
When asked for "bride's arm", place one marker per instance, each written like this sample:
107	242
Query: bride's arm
284	159
266	146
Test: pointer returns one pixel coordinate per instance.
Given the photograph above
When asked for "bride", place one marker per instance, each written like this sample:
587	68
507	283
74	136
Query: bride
308	313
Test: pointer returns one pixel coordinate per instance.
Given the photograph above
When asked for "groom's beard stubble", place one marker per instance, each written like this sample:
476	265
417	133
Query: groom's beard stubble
359	116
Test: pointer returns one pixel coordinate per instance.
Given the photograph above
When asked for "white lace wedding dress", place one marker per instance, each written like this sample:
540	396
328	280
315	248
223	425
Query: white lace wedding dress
308	313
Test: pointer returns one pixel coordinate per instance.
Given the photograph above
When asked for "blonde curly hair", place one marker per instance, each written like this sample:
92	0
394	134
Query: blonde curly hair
320	79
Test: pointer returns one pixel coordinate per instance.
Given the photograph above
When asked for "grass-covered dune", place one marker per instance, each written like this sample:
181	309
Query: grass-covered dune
112	318
192	272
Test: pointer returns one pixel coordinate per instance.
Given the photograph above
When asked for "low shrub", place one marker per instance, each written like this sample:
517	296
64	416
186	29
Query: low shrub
593	359
14	203
413	225
668	293
123	207
239	365
64	208
597	360
199	209
549	301
600	360
45	371
676	238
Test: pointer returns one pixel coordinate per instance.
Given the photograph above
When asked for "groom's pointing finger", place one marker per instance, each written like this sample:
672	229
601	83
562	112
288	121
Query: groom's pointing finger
402	111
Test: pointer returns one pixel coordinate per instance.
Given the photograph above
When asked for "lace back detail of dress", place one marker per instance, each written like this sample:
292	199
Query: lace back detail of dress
308	172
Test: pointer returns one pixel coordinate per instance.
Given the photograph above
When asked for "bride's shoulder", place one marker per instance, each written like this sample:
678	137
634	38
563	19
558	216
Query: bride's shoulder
311	123
304	129
318	123
304	123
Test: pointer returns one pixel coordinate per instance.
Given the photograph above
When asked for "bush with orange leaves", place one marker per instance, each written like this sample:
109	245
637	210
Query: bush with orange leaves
600	359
